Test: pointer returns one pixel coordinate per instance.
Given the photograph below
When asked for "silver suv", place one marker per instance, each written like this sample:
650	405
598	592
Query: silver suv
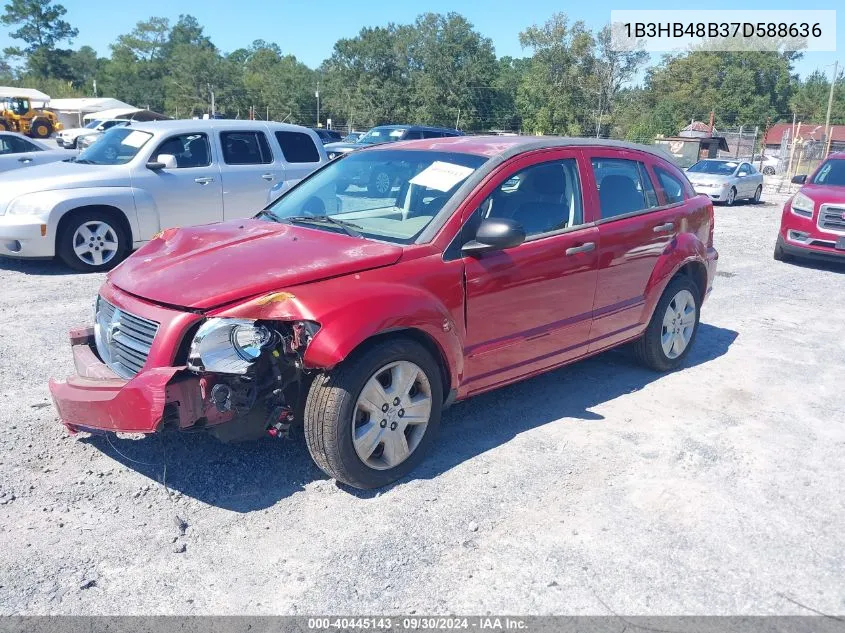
140	179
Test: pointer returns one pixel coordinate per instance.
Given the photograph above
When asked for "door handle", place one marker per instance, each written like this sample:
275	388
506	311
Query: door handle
584	248
204	181
664	228
267	176
25	159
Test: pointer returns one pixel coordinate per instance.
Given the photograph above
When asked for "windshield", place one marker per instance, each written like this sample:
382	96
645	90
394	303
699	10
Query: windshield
92	124
354	137
381	135
832	172
389	195
117	146
718	167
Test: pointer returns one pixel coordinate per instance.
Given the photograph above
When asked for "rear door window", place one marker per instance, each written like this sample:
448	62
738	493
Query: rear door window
624	186
245	148
298	147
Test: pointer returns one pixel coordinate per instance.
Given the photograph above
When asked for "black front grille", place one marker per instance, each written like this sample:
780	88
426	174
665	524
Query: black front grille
832	218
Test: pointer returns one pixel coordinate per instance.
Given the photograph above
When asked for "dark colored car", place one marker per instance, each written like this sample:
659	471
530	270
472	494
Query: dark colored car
494	260
328	136
813	220
379	182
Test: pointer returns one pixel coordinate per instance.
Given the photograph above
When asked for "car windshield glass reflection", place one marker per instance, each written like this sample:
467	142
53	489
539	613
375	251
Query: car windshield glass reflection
717	167
831	173
117	146
381	135
389	195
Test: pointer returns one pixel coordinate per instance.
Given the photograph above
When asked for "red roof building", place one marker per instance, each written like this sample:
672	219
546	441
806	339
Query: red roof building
808	131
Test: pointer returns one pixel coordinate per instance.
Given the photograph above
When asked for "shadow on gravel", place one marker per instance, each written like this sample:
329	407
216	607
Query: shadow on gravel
254	476
818	264
36	266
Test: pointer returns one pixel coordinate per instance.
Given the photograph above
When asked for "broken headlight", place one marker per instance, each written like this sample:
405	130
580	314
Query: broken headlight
228	346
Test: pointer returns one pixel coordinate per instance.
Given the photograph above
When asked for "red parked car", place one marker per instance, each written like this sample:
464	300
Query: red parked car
813	220
491	259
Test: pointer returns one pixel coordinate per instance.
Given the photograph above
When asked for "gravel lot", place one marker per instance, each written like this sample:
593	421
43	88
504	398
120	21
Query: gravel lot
597	488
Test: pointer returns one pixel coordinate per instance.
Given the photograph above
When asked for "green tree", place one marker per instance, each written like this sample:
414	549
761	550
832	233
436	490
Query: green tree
809	102
39	24
556	94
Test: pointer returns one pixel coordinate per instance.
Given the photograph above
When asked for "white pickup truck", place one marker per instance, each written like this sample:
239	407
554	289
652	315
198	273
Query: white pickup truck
145	177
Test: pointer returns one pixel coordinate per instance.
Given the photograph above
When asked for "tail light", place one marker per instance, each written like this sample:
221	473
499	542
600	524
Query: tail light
712	222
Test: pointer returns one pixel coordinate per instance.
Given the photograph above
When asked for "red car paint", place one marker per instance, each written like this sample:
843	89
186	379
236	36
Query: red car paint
819	243
494	319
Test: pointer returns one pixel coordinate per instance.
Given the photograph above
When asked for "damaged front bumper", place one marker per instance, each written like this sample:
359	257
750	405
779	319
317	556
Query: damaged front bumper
97	400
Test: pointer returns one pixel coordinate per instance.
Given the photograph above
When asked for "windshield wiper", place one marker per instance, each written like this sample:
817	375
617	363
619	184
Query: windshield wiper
347	227
85	161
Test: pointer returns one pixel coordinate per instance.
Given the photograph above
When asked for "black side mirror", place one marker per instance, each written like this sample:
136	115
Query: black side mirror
799	180
495	234
154	165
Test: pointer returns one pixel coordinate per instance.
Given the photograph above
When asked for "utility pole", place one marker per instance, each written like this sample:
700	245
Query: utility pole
211	91
829	105
317	94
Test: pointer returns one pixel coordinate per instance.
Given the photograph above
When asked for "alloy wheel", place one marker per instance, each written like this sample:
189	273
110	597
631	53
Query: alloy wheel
731	196
95	243
758	194
678	324
391	415
382	182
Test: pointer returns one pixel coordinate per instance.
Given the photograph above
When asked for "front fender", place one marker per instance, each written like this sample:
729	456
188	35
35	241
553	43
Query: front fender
350	313
121	198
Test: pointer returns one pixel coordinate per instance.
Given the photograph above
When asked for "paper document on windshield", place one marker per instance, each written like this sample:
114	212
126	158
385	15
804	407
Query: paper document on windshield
441	176
135	139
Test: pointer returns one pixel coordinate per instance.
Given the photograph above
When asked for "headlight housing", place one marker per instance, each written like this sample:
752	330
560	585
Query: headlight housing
228	346
800	202
38	204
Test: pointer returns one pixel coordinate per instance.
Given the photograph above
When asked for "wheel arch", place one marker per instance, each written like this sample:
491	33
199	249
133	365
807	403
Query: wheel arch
687	257
117	212
418	336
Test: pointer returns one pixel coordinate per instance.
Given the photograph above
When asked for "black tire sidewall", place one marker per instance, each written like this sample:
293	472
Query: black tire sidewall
756	199
361	369
64	247
655	326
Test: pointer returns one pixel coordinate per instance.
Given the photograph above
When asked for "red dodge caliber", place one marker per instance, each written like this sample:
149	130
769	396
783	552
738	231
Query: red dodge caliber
486	261
813	221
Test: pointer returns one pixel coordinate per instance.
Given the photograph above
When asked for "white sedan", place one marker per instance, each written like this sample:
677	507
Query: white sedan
16	151
726	180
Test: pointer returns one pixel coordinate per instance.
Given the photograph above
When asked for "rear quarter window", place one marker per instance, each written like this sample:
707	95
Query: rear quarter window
298	147
673	188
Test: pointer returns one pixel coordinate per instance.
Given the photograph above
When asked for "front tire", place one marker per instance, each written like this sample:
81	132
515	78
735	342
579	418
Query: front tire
731	199
369	421
780	254
41	128
673	327
92	241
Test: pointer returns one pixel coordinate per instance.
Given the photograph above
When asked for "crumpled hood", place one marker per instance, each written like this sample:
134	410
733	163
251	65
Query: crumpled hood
207	266
60	175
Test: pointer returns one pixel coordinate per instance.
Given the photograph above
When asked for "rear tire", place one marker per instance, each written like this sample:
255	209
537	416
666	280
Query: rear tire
92	241
666	329
757	195
339	426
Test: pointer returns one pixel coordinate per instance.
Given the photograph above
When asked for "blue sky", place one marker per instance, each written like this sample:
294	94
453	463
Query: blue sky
309	29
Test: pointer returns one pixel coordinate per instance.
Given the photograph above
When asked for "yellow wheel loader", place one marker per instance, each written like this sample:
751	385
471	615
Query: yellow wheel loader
18	115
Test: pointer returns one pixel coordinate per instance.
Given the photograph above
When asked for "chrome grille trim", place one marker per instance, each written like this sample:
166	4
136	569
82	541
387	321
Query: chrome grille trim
830	218
123	340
